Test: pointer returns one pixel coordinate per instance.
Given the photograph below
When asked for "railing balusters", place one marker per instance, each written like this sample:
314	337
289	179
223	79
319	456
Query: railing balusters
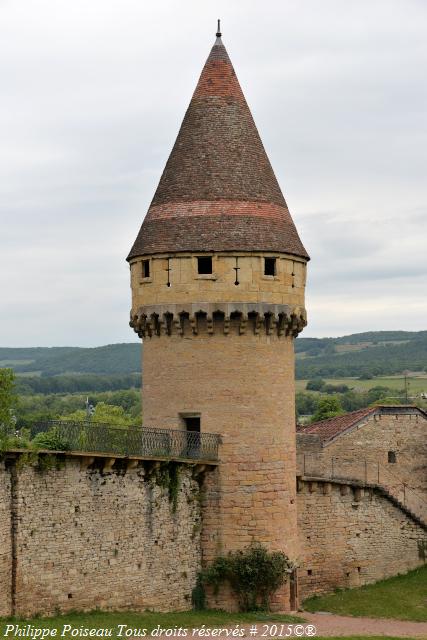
130	441
364	471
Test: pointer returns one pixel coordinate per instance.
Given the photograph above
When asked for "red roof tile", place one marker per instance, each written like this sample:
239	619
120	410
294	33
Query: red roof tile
328	429
332	427
218	191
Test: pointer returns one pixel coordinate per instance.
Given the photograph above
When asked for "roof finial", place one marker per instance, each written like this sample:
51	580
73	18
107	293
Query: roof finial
218	33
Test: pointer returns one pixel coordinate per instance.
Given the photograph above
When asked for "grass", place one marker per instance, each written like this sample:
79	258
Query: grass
148	620
403	597
360	346
417	384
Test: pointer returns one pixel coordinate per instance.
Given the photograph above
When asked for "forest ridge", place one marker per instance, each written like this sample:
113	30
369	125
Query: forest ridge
370	353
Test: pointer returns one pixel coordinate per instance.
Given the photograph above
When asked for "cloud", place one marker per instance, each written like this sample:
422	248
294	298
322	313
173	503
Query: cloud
92	98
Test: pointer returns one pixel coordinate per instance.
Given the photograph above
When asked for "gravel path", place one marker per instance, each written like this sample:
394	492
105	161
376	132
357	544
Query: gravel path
314	625
330	625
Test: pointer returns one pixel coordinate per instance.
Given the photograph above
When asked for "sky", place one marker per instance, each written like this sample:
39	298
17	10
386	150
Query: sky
92	97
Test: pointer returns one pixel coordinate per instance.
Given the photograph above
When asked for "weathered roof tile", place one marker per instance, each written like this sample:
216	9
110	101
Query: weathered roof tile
218	191
332	427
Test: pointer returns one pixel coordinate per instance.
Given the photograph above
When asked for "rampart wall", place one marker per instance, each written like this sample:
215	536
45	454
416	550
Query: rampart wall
5	542
350	536
95	533
362	453
96	537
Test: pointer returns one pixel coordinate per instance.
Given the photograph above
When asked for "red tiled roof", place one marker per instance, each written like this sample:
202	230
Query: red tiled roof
332	427
218	191
327	429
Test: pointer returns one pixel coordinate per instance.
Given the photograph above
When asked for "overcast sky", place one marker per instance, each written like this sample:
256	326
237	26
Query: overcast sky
92	94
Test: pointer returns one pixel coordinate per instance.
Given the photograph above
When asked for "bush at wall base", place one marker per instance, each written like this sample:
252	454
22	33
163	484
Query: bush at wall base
253	573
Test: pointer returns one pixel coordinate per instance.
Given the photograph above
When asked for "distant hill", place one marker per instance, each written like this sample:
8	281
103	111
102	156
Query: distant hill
116	359
373	353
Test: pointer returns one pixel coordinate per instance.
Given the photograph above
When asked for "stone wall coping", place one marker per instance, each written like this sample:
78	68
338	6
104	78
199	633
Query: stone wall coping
97	454
367	485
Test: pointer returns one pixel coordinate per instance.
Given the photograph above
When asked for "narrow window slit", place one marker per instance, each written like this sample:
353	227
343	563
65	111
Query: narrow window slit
145	268
269	266
236	269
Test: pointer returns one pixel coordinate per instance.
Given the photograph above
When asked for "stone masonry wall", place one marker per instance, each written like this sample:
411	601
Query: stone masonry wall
352	536
5	542
87	538
187	286
241	386
362	453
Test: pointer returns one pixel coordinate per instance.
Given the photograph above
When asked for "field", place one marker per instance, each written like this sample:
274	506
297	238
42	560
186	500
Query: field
345	348
416	384
403	597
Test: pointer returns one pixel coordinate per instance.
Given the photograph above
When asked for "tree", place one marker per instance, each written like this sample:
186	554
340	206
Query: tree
328	408
306	403
335	388
7	401
104	413
316	384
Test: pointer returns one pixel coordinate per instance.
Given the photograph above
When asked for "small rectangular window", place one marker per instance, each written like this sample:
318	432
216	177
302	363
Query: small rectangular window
192	423
269	266
391	457
145	268
204	265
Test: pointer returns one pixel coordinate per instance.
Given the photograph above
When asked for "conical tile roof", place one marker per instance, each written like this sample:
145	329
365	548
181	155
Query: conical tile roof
218	191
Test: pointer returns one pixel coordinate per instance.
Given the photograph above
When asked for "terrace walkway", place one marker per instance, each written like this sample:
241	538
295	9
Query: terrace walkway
126	442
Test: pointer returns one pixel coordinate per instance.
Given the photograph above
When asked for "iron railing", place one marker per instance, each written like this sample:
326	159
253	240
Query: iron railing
369	472
127	441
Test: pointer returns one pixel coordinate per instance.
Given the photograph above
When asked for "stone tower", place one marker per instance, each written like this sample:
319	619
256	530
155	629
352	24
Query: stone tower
218	274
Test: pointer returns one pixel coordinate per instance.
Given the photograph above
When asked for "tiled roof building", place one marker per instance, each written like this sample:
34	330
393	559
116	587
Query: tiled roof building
331	428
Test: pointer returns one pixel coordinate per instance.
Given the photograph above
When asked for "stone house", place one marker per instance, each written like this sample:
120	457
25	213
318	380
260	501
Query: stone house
384	445
362	500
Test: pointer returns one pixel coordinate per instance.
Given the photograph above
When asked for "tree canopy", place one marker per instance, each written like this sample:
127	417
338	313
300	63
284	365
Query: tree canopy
328	408
7	401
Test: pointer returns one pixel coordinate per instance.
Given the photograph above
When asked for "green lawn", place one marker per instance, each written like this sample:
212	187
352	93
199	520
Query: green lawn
417	384
147	620
403	597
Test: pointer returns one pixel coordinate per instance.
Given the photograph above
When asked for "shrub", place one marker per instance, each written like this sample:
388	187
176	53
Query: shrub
335	388
198	596
50	440
17	440
254	575
316	384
